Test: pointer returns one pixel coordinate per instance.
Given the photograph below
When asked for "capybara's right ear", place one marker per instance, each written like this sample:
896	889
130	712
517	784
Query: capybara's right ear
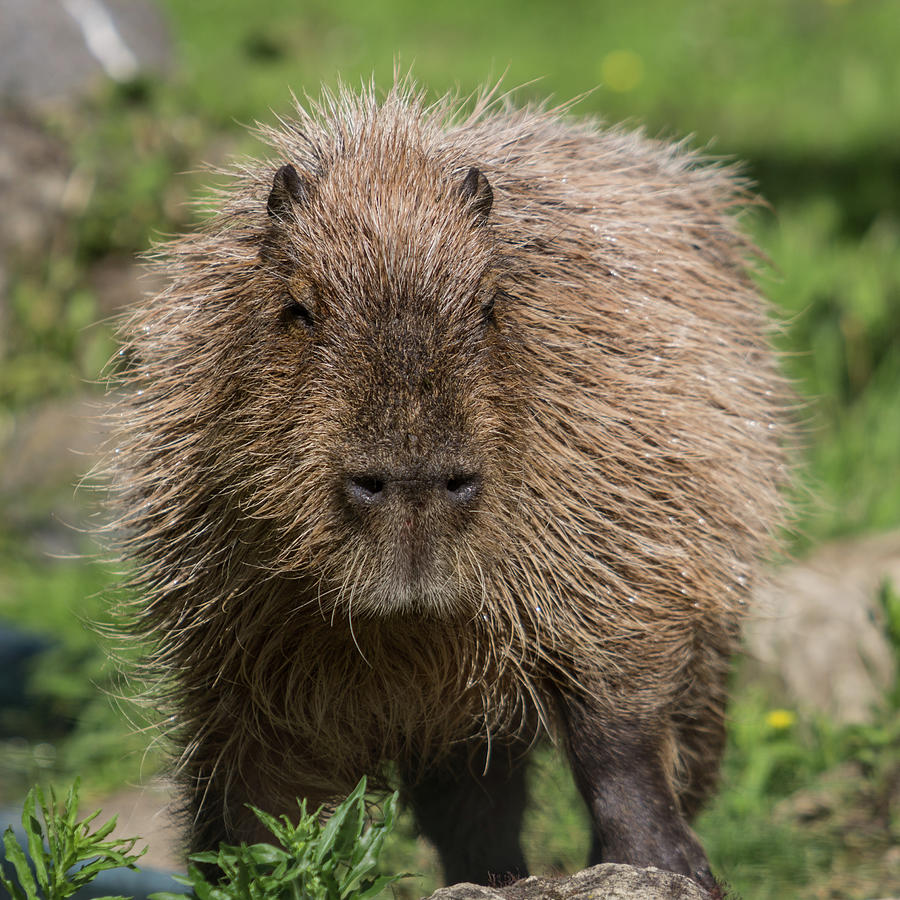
288	190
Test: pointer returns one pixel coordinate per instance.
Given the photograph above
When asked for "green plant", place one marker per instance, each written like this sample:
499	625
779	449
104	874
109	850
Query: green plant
335	861
58	848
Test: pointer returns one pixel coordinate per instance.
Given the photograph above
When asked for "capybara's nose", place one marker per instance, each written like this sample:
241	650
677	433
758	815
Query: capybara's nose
458	488
364	490
462	489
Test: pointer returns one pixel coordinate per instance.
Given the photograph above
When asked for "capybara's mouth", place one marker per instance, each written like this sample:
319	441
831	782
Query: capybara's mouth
411	575
406	552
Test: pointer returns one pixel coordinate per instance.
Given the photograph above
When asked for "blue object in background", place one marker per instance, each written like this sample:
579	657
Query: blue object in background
17	650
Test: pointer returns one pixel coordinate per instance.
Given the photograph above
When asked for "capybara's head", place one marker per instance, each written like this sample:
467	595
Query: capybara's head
379	317
358	385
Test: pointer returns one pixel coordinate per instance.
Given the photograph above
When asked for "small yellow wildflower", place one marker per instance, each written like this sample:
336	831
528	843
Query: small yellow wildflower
622	70
780	719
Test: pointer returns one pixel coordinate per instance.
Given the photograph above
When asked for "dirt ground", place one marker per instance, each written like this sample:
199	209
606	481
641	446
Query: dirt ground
149	812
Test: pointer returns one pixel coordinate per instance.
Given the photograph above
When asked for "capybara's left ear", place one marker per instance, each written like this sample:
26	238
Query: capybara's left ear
477	193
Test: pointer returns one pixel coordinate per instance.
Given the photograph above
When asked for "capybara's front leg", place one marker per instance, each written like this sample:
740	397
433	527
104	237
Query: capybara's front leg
217	811
624	771
218	796
472	812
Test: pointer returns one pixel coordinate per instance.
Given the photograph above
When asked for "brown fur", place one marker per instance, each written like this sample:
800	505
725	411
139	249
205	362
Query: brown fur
619	406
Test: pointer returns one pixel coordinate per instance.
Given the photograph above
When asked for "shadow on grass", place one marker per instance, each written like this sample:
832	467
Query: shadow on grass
865	184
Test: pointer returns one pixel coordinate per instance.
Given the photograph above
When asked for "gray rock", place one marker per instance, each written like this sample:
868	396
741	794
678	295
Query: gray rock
53	50
605	882
466	891
818	639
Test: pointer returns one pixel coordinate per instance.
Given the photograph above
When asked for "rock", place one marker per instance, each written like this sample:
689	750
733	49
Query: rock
609	881
55	50
818	640
467	891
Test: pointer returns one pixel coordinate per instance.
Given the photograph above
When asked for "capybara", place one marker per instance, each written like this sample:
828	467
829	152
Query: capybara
457	424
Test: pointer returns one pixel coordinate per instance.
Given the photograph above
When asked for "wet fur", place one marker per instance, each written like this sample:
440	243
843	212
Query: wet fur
620	404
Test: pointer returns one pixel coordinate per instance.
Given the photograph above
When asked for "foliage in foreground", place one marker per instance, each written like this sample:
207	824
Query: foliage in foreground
334	861
67	854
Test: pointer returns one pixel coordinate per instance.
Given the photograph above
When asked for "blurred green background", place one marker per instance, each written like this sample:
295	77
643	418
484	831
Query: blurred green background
804	91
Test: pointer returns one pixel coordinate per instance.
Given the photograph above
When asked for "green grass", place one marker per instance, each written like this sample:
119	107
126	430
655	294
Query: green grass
65	853
839	296
799	74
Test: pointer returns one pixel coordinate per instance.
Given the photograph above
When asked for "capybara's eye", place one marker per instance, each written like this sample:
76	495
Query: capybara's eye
296	313
487	308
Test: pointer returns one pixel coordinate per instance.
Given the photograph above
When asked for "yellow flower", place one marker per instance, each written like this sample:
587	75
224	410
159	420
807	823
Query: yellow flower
622	70
780	719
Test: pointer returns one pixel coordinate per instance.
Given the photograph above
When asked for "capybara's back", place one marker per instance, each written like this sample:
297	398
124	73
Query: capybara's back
449	429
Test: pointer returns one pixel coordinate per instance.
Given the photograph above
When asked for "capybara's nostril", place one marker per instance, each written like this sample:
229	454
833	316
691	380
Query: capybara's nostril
463	489
364	490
